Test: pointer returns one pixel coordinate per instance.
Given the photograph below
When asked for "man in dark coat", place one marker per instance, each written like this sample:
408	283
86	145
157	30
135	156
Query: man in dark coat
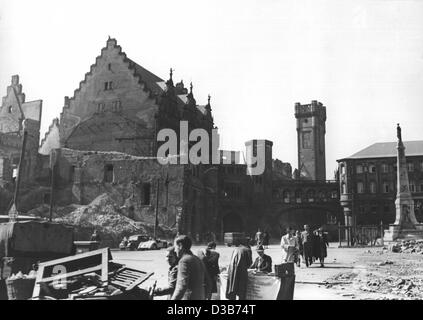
263	262
307	241
172	259
210	258
241	260
191	278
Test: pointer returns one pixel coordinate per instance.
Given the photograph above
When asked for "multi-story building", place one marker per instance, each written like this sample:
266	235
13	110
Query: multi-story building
368	182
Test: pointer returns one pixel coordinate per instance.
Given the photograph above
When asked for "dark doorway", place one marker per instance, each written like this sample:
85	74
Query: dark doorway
232	223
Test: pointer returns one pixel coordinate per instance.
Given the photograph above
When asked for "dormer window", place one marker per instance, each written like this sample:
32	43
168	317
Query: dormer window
108	85
9	109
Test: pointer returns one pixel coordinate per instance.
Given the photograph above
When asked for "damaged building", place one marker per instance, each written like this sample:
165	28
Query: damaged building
106	141
17	116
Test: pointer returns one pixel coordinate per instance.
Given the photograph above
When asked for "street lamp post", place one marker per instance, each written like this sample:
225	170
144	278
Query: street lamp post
156	220
178	221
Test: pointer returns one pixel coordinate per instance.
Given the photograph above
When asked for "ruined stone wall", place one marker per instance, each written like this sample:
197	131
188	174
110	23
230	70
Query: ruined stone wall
130	181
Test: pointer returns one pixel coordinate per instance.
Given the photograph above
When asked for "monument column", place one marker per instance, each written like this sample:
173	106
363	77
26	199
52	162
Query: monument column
405	225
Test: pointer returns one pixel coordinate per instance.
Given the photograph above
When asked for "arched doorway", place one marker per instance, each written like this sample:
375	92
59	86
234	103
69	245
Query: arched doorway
232	222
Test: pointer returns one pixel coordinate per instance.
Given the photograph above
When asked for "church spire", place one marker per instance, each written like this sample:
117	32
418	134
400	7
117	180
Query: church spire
208	106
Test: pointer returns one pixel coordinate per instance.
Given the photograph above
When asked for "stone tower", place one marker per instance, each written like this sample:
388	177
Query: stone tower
311	129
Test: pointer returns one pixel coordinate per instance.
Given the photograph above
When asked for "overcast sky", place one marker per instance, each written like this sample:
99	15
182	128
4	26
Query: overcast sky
362	59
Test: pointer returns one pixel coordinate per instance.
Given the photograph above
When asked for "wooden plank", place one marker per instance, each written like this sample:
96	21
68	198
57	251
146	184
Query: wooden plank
77	257
123	278
129	276
105	265
37	287
141	280
70	274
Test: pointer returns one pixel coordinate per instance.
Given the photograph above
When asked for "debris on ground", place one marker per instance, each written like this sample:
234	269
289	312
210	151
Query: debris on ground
407	246
104	215
384	263
91	275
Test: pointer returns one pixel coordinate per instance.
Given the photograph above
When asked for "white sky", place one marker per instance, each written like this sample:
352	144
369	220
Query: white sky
362	59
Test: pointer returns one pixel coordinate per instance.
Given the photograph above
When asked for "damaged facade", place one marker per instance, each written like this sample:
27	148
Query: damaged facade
105	141
17	115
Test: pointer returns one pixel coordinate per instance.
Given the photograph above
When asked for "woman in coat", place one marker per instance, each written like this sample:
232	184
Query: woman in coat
323	244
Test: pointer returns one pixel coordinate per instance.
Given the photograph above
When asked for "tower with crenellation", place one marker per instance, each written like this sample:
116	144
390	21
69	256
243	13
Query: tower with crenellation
311	130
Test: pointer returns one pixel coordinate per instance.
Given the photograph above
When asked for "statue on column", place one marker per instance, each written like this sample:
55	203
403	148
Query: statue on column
399	132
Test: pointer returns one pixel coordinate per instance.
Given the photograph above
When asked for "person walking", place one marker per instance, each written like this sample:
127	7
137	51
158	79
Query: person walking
307	241
241	260
289	245
300	248
316	246
259	237
323	244
263	262
210	258
172	260
191	277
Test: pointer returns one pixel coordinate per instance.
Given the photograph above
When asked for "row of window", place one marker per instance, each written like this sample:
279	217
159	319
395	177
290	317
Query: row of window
310	196
386	187
385	168
116	106
372	209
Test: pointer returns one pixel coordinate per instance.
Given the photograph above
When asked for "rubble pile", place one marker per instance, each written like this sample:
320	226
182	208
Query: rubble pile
396	286
341	278
104	215
407	246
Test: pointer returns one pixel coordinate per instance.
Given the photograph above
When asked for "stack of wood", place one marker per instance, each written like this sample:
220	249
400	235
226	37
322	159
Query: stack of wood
90	275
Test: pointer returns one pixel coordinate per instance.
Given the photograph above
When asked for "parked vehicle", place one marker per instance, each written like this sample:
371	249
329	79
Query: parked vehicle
135	240
234	238
153	244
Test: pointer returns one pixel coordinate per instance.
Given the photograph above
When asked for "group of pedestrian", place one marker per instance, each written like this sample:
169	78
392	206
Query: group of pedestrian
310	245
194	277
190	277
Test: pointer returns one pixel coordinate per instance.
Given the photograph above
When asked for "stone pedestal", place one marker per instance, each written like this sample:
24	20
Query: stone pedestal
395	232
